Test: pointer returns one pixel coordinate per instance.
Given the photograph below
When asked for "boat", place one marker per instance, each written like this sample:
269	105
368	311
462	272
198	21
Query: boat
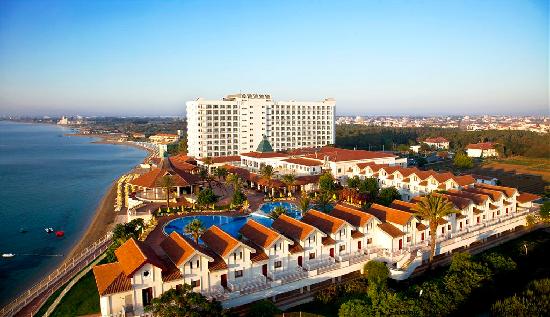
23	230
8	255
59	233
48	230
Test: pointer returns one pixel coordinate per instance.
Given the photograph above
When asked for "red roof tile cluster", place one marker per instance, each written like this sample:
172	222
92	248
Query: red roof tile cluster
264	154
133	254
303	161
436	140
481	146
478	199
110	279
219	241
527	197
178	248
391	230
356	218
334	154
223	159
259	234
292	228
508	191
153	178
384	213
494	194
322	221
403	205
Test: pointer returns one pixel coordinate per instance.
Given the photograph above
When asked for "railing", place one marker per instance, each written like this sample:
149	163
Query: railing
318	263
59	275
249	286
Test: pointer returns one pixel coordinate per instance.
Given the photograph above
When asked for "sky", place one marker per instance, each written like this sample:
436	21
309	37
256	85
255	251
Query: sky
139	58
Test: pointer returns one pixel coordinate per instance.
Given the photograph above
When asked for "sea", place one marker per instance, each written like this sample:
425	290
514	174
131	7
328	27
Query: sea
47	180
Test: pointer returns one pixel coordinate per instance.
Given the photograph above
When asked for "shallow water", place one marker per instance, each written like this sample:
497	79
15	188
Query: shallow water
49	180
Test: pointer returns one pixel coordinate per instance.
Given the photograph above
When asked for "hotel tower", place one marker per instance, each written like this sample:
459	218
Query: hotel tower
239	122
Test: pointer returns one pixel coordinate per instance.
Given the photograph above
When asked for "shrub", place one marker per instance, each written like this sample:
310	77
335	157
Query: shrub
328	294
263	308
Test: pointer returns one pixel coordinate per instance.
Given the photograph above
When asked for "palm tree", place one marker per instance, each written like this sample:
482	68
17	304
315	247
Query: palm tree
432	208
303	203
233	179
195	229
323	201
166	182
220	172
277	211
288	180
204	176
267	172
207	161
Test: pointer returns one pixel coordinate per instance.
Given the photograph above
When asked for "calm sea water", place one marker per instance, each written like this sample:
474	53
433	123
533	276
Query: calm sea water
49	180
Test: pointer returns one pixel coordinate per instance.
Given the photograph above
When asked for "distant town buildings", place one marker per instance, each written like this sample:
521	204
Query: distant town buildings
238	123
484	149
164	138
539	124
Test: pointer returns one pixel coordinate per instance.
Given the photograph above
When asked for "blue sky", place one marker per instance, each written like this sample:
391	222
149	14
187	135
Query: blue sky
375	57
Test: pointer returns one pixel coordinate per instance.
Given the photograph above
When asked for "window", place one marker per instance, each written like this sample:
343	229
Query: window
408	239
342	247
238	273
278	264
195	283
146	273
312	255
369	241
241	255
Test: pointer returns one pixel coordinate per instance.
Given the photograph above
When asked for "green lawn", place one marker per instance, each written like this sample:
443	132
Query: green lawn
82	299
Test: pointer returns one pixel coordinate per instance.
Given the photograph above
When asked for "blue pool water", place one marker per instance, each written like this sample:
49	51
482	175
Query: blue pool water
230	224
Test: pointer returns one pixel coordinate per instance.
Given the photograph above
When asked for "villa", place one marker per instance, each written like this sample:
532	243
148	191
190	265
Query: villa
267	259
439	143
484	149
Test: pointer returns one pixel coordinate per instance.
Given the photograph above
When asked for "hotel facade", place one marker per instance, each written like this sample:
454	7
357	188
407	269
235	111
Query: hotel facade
238	123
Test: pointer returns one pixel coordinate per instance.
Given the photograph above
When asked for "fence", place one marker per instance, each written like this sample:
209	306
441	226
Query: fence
57	278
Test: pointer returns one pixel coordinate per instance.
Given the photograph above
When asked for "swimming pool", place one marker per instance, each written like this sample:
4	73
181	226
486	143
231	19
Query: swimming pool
231	224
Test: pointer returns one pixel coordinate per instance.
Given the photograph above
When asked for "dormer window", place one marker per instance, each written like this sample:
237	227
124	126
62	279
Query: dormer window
146	273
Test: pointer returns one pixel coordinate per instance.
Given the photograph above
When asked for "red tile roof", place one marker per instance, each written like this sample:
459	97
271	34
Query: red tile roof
327	241
178	248
508	191
403	205
306	179
111	279
356	218
494	194
527	197
338	155
223	159
152	179
391	230
356	234
481	146
132	255
259	234
389	214
219	241
478	199
322	221
436	140
373	165
303	161
292	228
264	154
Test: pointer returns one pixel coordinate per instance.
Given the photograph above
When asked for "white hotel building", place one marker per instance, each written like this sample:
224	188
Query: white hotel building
237	123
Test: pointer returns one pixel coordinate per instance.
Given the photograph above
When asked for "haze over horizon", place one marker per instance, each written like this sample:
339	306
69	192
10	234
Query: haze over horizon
141	58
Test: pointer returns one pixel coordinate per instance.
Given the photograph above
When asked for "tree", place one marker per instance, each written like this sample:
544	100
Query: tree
267	173
545	211
534	301
184	302
167	182
326	183
377	273
195	229
463	161
288	180
432	208
277	211
207	162
354	182
123	232
387	195
323	202
238	198
204	176
221	172
303	203
182	145
355	308
369	186
206	197
234	180
263	308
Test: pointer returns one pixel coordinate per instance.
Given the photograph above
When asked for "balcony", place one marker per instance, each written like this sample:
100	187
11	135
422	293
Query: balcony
315	264
288	276
249	286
